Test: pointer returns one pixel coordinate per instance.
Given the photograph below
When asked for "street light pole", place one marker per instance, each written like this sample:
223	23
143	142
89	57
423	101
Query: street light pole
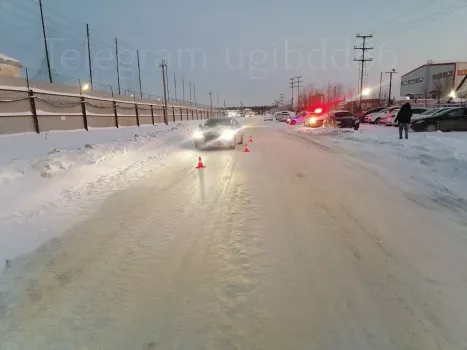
390	86
380	87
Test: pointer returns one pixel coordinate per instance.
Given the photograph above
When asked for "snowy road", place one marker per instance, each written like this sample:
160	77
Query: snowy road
296	245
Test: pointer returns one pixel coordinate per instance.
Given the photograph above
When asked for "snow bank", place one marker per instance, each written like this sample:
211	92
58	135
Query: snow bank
49	181
431	167
8	59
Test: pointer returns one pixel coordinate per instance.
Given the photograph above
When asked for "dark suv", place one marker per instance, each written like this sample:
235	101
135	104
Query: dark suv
342	119
449	119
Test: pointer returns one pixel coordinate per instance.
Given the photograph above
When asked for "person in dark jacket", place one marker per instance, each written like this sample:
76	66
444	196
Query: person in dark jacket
403	117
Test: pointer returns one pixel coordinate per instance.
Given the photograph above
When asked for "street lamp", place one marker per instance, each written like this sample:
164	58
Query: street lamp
366	92
85	87
452	94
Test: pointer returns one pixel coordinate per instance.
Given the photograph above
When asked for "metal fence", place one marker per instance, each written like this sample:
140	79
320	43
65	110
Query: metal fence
34	106
60	79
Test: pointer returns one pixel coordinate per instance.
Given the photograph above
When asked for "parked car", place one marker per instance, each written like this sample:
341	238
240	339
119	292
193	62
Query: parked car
268	117
370	118
384	117
234	114
298	119
361	116
222	131
375	118
392	116
448	119
342	119
248	113
283	116
429	112
454	121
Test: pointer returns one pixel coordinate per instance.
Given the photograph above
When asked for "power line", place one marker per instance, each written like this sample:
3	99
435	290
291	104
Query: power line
76	23
46	17
402	15
434	15
21	16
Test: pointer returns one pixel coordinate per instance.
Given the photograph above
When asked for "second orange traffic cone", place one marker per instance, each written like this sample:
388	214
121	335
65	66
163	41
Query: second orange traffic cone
251	139
247	150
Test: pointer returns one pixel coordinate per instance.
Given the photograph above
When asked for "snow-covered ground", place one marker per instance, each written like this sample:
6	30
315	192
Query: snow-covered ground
431	167
299	244
49	181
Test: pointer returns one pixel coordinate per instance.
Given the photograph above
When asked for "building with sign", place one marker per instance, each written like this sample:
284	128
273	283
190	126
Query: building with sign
433	80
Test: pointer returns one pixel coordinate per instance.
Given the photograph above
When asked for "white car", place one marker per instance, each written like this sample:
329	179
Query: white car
392	116
370	118
389	120
268	117
375	118
284	116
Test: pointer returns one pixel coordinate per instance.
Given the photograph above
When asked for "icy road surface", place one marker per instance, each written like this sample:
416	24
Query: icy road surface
295	245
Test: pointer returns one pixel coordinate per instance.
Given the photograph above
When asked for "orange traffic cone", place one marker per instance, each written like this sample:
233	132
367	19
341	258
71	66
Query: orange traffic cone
200	164
251	139
247	150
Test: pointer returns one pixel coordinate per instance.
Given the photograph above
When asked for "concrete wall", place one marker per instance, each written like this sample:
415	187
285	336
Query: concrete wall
49	123
18	124
101	121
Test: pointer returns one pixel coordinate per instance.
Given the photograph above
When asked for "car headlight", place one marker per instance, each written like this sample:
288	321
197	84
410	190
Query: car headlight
313	120
227	135
198	135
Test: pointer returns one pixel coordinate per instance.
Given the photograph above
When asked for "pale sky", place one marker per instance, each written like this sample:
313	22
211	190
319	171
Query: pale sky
246	49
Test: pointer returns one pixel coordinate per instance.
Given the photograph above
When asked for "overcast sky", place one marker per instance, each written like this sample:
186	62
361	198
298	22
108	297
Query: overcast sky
246	49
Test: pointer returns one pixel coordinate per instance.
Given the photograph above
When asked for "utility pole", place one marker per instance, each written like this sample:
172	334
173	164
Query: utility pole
217	98
380	87
118	68
175	86
163	65
210	99
189	84
89	53
194	93
45	43
292	85
139	76
390	86
183	88
363	60
167	82
298	90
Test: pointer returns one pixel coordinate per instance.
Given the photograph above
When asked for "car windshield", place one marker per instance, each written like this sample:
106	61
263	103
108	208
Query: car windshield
214	122
430	112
